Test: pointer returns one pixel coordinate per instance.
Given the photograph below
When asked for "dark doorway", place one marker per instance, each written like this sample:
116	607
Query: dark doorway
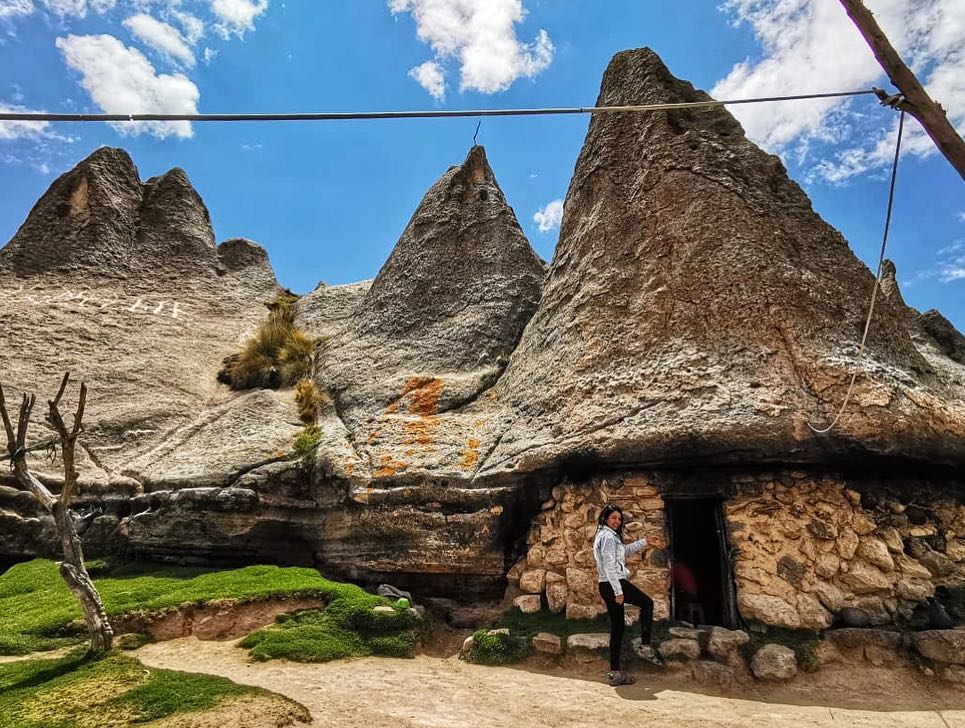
702	588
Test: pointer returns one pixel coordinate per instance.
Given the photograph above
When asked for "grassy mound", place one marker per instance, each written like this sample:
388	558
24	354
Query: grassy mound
348	627
497	649
117	691
38	612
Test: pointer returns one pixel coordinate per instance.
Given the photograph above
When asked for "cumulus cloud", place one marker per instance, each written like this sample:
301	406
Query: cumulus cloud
430	77
811	46
13	8
481	35
237	16
161	37
121	80
20	129
550	217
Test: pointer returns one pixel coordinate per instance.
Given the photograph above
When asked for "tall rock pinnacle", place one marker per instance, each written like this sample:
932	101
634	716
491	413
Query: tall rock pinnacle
463	280
437	325
99	219
697	307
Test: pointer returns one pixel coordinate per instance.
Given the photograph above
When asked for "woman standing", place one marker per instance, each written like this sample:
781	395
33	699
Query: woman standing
611	555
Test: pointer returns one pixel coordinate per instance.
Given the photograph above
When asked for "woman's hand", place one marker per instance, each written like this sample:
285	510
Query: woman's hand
619	599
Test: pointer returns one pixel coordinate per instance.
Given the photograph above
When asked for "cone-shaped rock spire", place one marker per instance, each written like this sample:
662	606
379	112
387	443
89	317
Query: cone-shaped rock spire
436	327
463	280
99	219
698	307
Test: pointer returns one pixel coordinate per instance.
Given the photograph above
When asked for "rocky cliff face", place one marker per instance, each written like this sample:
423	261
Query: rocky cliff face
121	283
698	308
697	312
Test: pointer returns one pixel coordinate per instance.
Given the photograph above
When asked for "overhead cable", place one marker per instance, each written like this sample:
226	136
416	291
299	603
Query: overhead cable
365	115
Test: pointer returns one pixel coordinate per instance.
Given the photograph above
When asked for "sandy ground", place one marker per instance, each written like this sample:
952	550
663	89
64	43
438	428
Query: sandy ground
444	692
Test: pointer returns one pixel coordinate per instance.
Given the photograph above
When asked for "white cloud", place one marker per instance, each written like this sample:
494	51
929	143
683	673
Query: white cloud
209	55
13	8
120	80
192	25
237	16
811	46
20	129
550	217
78	8
481	34
429	75
961	217
160	36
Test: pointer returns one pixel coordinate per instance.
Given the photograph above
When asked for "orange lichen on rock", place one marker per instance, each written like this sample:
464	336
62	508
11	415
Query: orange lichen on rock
388	467
471	455
420	432
424	399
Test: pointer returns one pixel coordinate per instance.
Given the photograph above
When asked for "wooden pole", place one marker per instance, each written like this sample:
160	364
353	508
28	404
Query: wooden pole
917	102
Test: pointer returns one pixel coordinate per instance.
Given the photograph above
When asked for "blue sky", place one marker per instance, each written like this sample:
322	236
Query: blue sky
329	200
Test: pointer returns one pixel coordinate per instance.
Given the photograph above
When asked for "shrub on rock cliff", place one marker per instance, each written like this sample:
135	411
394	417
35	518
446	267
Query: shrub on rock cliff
307	440
278	354
308	397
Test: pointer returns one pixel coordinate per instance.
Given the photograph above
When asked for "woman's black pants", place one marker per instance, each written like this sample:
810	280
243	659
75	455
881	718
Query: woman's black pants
631	595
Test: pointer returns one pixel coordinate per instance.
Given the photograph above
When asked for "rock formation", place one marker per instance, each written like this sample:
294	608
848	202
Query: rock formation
696	317
697	308
121	283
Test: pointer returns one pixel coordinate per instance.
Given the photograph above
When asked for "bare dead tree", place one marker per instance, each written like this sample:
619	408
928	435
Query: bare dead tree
72	568
917	102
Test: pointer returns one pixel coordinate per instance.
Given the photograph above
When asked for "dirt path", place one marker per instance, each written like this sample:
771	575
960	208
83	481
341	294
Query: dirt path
438	692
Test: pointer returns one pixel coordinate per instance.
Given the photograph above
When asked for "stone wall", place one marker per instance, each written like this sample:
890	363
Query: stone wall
559	548
808	546
805	544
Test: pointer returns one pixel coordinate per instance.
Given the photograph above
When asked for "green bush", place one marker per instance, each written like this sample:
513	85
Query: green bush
496	649
347	627
307	439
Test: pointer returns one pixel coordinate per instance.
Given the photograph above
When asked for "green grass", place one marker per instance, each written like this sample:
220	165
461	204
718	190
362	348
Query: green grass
38	612
78	692
497	649
348	627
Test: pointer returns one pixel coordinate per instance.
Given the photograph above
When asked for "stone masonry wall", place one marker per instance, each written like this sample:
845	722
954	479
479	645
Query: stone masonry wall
806	547
805	544
559	549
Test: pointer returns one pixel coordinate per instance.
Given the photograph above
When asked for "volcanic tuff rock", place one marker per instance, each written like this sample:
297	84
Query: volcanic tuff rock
698	308
434	330
121	283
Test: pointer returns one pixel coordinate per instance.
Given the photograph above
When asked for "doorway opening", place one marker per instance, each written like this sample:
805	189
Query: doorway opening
702	588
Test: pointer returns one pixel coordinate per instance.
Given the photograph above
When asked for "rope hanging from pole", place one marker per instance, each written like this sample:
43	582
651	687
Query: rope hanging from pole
877	284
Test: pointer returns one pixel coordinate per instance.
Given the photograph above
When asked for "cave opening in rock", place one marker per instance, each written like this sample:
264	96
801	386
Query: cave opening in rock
702	587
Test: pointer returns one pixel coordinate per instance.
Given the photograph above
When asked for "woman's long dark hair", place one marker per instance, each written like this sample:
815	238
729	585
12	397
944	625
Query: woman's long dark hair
608	510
